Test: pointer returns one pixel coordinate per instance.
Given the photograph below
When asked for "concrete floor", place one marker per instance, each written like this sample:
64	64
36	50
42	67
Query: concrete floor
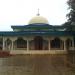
35	65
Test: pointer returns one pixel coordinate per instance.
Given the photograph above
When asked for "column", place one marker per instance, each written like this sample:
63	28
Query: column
27	45
73	49
49	45
3	43
64	44
12	45
73	44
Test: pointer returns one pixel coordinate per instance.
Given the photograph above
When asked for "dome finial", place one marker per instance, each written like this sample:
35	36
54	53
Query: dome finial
38	12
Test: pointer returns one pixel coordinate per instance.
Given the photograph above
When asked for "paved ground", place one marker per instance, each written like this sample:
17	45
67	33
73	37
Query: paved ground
35	65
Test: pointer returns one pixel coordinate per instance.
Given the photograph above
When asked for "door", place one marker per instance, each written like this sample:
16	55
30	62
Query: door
38	43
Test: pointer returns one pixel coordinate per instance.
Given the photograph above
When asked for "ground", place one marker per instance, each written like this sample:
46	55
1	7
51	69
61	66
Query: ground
35	65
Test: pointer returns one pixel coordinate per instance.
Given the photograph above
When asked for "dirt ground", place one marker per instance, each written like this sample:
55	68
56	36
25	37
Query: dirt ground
36	65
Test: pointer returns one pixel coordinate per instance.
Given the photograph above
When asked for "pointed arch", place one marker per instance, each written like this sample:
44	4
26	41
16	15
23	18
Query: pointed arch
68	43
38	43
56	43
20	43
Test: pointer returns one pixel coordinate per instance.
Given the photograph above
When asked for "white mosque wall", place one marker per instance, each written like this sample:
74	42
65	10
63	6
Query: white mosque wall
48	38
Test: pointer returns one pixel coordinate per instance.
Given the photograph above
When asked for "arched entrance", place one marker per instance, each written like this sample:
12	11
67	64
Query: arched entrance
56	44
20	43
38	43
68	43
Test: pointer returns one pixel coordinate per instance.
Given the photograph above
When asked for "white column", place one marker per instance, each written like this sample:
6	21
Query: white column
73	44
73	49
12	45
64	44
27	45
3	43
49	44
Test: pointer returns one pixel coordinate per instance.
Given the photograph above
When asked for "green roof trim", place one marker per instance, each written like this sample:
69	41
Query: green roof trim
36	27
39	33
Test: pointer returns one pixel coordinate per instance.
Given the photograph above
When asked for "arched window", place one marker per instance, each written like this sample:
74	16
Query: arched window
68	43
56	43
21	43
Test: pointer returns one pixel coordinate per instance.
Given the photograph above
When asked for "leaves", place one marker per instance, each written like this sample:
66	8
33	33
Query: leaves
71	15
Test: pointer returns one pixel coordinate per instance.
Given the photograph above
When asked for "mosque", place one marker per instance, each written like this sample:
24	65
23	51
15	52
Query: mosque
38	37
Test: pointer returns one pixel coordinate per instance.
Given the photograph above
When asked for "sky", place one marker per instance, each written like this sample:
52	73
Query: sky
19	12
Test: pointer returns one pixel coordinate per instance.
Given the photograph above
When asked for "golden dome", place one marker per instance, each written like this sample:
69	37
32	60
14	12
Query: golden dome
38	19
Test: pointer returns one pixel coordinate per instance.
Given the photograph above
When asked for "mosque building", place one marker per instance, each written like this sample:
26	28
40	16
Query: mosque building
38	37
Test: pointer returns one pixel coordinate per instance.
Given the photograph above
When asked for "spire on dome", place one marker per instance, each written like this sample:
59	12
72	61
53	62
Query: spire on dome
38	19
38	14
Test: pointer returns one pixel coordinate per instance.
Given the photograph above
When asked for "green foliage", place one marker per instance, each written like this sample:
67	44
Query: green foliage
71	15
70	24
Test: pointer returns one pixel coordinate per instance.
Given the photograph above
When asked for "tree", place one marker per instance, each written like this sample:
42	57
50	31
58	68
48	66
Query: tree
70	24
71	15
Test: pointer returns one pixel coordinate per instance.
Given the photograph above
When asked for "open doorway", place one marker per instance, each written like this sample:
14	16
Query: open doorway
38	43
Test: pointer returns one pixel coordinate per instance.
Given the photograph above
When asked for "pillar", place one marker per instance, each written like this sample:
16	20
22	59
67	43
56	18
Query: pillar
3	43
12	45
27	45
64	44
73	44
49	44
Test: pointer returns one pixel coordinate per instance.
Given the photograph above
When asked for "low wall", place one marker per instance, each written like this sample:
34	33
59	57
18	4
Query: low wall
38	52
